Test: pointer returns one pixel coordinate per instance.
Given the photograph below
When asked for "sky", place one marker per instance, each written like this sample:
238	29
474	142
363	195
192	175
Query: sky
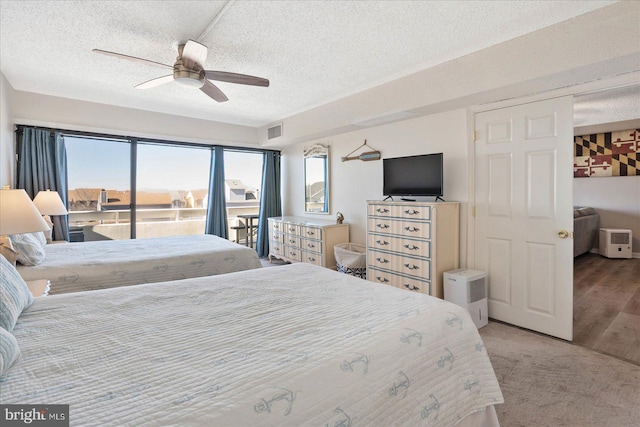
95	163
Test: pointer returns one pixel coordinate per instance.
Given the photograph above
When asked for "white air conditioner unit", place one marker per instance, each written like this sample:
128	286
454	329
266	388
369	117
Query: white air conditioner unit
615	243
468	289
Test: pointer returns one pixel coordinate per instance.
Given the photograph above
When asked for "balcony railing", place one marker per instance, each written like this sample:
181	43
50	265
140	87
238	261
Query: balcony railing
116	224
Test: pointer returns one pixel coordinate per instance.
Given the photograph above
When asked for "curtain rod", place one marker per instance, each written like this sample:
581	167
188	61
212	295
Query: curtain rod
19	129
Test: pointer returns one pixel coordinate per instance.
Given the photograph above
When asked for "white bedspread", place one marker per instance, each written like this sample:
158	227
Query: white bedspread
293	345
87	266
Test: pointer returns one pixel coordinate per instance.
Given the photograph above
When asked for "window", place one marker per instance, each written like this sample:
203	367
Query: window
99	188
170	188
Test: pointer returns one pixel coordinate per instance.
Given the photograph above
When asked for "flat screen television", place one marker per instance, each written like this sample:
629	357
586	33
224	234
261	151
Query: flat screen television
413	175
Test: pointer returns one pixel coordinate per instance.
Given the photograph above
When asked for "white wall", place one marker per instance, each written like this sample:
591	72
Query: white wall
354	182
7	137
69	114
617	200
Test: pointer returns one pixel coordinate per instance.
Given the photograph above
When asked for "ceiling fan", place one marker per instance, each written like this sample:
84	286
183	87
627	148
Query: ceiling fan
188	70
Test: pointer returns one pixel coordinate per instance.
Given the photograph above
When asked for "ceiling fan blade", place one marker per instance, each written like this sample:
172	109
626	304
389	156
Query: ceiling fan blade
155	82
193	54
242	79
212	90
132	58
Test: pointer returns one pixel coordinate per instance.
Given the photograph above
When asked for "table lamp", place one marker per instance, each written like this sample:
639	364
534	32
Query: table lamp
18	215
49	203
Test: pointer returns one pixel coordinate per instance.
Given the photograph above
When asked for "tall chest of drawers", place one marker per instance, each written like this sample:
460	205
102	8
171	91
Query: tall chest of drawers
410	244
300	239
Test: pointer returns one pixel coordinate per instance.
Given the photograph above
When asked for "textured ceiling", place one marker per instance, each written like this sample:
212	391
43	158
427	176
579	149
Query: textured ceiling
313	52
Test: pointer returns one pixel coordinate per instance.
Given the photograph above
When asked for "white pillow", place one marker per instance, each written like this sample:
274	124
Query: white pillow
9	350
30	247
15	295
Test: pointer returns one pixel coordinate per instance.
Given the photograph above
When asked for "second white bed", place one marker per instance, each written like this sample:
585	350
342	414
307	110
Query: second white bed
75	267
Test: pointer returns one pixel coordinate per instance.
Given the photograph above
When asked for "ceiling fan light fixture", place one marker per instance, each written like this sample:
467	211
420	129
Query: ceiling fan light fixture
188	78
189	82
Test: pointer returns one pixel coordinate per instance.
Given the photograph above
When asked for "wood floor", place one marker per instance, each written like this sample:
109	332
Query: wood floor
606	305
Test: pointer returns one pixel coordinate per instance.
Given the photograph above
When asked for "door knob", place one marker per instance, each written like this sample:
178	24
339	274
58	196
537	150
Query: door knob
563	234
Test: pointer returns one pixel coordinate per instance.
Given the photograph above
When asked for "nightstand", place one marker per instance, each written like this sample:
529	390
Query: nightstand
39	288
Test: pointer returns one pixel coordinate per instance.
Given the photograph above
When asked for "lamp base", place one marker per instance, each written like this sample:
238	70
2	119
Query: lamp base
49	233
6	249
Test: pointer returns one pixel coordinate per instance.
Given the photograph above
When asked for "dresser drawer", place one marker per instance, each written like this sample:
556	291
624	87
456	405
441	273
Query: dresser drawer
414	247
291	229
311	233
275	226
291	240
312	245
275	248
401	264
274	236
415	229
408	212
312	258
294	253
398	281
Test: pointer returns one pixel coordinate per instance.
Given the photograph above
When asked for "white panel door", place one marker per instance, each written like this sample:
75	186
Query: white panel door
524	158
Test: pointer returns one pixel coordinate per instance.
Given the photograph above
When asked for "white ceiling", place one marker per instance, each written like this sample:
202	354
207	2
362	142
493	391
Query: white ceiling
313	52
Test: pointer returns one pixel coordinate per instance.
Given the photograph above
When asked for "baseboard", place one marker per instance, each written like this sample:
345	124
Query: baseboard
633	254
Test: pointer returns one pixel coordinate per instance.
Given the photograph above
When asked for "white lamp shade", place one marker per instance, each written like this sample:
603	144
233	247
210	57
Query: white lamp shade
49	203
18	214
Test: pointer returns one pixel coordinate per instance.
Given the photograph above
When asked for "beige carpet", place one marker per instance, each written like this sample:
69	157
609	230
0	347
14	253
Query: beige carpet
549	382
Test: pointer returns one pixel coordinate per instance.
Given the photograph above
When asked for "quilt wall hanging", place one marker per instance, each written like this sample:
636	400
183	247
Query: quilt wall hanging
607	154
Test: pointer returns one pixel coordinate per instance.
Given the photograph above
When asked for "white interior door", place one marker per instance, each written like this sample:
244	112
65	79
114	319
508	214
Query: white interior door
524	214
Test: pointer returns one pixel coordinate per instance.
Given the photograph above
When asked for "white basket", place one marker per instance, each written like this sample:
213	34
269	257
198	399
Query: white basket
351	259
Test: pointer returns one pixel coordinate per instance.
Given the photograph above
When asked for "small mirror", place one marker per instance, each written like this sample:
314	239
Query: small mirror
316	179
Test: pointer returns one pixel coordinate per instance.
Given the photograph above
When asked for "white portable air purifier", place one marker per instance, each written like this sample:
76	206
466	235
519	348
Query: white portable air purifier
468	289
615	243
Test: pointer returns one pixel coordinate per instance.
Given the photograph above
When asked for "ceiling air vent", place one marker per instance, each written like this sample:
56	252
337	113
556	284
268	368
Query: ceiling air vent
274	131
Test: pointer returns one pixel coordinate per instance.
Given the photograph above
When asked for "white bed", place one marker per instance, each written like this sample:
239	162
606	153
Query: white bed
74	267
292	345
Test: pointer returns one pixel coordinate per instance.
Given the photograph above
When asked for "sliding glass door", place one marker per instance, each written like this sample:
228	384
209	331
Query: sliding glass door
243	181
172	186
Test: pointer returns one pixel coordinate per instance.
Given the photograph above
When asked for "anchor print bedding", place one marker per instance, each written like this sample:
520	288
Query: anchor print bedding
284	346
87	266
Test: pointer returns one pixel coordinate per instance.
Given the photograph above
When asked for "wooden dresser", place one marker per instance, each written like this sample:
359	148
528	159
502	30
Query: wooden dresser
410	244
301	239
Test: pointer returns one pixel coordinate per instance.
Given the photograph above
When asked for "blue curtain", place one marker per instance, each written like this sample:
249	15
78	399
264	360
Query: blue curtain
42	165
217	206
270	199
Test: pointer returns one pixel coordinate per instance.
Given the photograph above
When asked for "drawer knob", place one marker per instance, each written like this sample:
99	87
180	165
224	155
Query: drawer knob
382	279
411	287
412	229
412	247
412	212
311	259
379	210
311	245
382	242
383	226
412	266
382	260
